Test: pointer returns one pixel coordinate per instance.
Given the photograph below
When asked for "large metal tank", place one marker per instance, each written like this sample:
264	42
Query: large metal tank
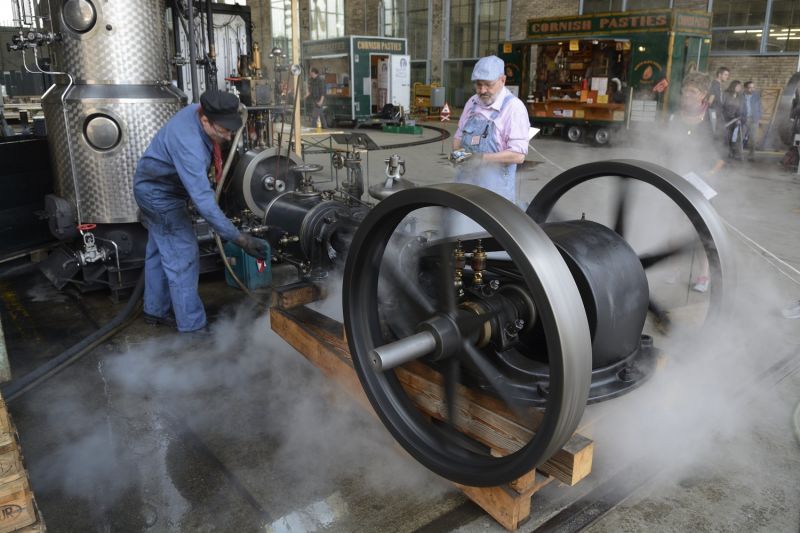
99	124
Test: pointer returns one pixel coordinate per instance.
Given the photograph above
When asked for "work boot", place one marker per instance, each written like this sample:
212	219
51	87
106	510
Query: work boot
201	334
152	320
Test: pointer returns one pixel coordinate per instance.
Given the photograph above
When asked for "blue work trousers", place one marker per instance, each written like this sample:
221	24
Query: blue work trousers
172	268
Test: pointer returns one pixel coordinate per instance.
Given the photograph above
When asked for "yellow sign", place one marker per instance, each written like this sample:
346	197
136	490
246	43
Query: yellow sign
506	48
574	45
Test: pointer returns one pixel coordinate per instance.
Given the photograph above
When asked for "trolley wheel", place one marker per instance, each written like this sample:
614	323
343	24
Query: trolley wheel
601	136
574	133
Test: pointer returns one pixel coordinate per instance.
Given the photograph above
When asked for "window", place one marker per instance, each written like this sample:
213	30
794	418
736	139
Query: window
409	19
393	18
281	17
740	27
638	5
327	19
475	29
730	13
601	6
605	6
784	27
6	16
699	5
417	35
461	33
491	26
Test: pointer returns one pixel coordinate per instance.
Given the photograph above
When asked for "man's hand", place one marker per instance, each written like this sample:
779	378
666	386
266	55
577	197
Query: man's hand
460	156
252	246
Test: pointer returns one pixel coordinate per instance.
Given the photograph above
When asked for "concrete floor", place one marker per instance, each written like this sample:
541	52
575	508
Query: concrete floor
150	432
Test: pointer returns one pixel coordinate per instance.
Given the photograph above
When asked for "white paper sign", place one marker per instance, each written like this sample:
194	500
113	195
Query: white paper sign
699	184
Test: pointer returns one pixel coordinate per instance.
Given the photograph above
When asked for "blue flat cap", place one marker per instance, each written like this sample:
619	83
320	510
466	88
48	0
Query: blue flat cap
488	68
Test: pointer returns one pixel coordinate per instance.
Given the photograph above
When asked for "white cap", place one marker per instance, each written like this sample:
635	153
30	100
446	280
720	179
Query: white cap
488	68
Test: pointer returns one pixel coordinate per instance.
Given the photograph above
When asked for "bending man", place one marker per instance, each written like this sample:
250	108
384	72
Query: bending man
172	171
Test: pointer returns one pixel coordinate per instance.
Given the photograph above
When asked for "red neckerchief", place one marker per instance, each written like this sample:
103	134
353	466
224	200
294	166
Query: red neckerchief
217	162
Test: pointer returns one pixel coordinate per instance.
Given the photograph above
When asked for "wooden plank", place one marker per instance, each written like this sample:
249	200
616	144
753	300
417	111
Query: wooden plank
481	416
322	341
504	505
488	420
572	462
770	99
295	294
306	340
530	483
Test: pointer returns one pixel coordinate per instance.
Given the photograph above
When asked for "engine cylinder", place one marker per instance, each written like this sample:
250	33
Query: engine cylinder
324	227
612	283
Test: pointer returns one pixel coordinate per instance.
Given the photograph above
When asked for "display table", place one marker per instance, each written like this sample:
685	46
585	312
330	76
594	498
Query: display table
576	109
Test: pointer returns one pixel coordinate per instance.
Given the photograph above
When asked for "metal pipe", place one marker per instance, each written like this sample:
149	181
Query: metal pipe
212	48
192	51
176	39
13	389
396	353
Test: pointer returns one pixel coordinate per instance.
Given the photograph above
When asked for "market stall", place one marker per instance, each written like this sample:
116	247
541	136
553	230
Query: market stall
590	75
362	74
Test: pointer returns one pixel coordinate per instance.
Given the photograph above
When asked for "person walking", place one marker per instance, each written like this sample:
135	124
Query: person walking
173	171
493	132
732	114
752	115
714	99
316	98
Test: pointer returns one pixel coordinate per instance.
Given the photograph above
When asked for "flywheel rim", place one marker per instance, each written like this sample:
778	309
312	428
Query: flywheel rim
699	211
558	304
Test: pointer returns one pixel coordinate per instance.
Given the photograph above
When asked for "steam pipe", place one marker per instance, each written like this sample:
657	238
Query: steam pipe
218	192
192	51
176	38
16	388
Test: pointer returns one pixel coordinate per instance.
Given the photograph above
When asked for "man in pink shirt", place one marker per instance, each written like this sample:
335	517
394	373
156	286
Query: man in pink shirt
493	130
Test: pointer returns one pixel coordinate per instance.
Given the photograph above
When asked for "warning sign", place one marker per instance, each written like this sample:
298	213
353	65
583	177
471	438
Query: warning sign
444	115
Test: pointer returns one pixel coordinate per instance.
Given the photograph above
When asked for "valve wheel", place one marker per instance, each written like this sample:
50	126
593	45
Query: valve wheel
445	337
707	232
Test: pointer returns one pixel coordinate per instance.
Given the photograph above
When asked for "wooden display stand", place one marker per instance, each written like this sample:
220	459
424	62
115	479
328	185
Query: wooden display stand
322	341
18	511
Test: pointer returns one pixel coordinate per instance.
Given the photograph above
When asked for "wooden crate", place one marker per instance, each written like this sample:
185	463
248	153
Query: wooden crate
18	511
322	341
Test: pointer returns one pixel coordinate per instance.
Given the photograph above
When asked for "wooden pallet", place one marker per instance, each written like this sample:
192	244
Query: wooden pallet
322	341
18	511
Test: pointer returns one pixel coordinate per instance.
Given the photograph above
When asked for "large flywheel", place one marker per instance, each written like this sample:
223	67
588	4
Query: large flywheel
434	298
703	243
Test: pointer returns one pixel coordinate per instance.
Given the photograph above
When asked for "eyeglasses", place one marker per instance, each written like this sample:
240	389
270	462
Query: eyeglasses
222	132
479	84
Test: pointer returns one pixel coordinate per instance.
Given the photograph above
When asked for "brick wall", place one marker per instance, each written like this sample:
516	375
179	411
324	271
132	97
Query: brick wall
766	71
522	11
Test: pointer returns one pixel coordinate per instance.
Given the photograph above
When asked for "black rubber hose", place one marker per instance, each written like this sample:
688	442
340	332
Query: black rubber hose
16	388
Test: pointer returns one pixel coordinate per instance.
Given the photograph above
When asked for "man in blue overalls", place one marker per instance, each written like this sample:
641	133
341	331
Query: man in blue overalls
493	130
172	172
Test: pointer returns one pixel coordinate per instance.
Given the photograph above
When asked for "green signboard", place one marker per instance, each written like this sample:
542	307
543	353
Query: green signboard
621	23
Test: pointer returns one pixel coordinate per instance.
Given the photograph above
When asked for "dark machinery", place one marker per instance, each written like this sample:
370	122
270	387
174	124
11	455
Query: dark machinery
545	315
306	227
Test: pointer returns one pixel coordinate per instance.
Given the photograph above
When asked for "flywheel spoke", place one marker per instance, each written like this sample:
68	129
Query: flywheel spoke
651	259
500	383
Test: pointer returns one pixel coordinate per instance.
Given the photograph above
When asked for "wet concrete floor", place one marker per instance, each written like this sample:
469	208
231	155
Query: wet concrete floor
237	432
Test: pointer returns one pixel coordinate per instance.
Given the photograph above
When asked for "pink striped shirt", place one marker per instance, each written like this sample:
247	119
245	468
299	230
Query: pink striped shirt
511	125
